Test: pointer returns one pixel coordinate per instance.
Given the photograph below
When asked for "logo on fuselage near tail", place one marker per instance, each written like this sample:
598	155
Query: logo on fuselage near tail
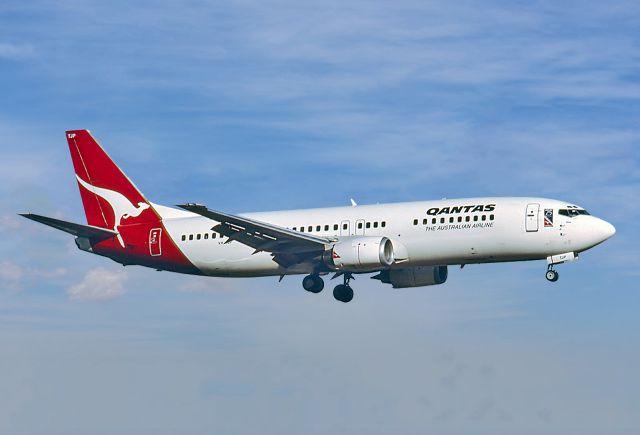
121	206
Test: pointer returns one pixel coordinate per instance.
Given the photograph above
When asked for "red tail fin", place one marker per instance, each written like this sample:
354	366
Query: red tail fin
110	199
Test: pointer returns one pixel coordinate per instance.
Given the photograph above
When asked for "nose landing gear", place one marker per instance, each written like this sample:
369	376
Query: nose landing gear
554	260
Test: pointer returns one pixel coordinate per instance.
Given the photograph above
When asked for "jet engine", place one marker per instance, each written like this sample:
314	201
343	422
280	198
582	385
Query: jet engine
360	254
419	276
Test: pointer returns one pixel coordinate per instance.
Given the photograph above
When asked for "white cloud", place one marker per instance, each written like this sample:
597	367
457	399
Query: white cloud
14	277
58	272
99	284
10	222
207	284
10	274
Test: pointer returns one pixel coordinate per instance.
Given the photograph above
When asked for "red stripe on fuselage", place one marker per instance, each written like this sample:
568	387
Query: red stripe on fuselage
137	250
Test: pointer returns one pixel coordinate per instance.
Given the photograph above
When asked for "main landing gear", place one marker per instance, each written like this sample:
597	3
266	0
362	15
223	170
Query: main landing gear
343	292
552	275
313	283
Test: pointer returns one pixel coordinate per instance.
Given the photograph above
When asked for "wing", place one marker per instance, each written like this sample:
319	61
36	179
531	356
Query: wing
287	247
95	234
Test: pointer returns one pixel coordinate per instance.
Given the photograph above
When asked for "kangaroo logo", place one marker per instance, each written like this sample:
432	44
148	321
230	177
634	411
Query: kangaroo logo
121	206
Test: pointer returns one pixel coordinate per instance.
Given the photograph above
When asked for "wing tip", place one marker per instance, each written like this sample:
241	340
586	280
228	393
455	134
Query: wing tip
190	206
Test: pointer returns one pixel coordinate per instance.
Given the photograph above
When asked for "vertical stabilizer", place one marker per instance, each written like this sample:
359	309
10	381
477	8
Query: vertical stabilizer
110	199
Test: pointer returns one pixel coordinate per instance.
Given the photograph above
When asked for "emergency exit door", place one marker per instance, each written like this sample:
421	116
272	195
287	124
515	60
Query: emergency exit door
345	229
531	218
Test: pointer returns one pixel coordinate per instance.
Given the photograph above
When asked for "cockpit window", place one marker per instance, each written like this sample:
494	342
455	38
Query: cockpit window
571	212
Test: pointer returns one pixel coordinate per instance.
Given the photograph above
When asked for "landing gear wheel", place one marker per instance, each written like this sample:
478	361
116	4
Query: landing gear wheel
552	275
313	283
343	293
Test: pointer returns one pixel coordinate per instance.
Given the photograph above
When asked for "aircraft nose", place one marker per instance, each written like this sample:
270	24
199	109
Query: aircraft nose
603	230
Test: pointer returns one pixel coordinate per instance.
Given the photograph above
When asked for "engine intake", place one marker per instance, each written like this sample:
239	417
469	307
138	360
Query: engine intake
419	276
360	254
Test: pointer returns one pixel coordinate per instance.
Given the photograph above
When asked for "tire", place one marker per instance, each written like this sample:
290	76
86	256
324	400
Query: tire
552	275
343	293
318	286
313	283
308	283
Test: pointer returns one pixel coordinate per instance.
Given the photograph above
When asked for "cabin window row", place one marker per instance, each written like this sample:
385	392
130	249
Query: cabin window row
373	224
204	236
336	227
453	219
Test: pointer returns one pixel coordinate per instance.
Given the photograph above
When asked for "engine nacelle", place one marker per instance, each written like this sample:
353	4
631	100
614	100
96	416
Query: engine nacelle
360	254
419	276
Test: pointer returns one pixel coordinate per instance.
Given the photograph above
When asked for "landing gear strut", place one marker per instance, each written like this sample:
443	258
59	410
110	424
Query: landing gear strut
552	275
344	292
313	283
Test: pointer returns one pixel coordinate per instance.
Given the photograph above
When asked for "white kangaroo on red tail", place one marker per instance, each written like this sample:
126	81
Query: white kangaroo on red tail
122	207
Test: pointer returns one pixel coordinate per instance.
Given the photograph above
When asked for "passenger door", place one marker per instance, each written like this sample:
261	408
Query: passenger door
531	218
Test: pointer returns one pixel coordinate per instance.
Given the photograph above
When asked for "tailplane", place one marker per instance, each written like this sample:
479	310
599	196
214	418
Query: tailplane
122	224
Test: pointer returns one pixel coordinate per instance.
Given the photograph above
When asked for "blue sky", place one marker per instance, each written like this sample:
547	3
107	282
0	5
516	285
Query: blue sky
272	105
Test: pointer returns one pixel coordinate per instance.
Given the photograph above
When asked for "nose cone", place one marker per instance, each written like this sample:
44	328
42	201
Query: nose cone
602	230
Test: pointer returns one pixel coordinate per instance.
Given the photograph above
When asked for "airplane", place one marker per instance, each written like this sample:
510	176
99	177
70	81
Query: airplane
408	244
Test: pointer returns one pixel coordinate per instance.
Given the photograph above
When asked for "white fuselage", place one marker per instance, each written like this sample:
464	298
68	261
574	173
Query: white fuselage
443	232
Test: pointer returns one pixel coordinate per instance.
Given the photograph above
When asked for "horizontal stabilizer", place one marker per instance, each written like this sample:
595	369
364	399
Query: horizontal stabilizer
95	234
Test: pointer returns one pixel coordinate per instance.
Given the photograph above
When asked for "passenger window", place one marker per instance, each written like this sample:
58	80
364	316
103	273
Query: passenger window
198	236
206	236
190	236
335	227
490	217
359	225
434	221
375	225
184	237
475	218
309	228
318	228
294	229
368	225
451	220
383	224
459	218
441	220
425	221
214	235
484	217
302	229
326	227
468	218
345	226
415	221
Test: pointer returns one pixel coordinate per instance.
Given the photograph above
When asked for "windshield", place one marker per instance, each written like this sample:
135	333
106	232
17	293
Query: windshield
571	212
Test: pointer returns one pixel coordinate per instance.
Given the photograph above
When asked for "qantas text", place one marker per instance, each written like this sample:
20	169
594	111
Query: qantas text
460	209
